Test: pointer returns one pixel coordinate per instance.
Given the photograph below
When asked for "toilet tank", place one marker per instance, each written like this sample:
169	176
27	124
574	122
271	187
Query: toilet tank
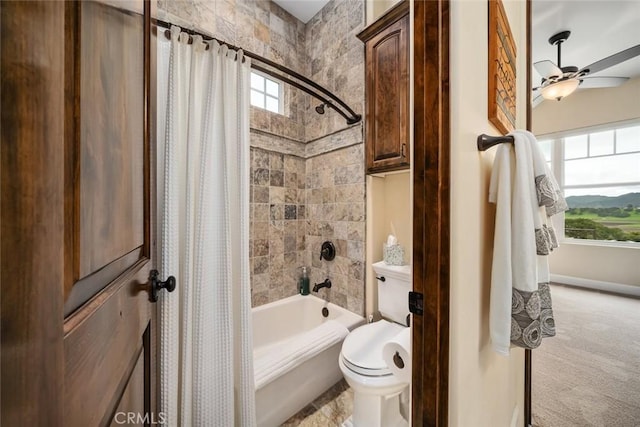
393	291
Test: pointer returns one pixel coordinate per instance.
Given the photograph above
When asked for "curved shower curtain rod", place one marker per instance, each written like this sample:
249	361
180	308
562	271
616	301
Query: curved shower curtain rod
312	88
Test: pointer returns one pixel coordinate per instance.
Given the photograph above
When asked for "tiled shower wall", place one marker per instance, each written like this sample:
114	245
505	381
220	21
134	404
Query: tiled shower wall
261	27
336	56
307	170
336	212
277	224
335	176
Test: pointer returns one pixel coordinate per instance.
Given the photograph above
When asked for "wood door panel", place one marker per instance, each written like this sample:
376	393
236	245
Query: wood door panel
102	345
32	215
111	210
130	405
86	288
107	158
386	97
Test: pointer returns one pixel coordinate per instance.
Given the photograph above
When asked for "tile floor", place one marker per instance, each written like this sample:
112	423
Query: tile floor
329	410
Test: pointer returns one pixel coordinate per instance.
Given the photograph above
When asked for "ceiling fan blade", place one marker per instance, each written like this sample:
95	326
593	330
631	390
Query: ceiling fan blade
595	82
536	101
610	61
547	69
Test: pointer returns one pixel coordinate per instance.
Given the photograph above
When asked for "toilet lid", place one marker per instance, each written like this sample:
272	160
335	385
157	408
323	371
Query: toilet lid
362	348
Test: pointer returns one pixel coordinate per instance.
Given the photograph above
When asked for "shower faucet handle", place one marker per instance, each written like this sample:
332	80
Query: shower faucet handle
327	251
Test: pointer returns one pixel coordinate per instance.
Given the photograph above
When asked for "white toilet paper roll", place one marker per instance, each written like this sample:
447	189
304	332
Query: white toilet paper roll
397	355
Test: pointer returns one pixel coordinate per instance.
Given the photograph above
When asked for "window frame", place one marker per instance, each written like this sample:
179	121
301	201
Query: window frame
557	165
264	93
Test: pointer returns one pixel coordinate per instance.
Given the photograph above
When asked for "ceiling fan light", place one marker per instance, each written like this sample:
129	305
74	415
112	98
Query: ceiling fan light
560	89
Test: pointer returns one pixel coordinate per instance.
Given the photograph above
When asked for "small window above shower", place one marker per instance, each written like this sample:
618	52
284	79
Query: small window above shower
266	93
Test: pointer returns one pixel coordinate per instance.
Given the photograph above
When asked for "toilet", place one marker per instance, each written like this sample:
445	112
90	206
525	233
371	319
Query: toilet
377	391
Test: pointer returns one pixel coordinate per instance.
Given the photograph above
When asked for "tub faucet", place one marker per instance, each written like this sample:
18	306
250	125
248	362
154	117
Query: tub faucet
325	284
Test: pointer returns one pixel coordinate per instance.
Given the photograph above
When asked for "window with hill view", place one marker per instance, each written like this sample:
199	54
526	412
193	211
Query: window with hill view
600	174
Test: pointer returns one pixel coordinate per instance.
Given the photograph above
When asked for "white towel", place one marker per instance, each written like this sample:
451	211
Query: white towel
502	179
294	351
524	192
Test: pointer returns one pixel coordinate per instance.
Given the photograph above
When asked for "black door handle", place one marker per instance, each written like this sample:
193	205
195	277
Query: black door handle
156	285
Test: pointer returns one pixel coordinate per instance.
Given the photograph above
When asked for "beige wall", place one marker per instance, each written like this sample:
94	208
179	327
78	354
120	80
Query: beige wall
376	8
485	388
606	264
397	210
583	109
389	209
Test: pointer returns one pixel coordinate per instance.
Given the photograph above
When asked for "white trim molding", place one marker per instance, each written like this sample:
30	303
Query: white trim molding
617	288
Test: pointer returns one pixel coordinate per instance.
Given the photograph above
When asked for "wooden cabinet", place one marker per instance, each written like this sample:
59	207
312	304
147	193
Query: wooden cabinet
387	91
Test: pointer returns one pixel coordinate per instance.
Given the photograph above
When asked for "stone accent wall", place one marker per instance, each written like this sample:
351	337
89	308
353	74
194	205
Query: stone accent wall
296	204
341	139
277	221
337	62
261	27
307	170
279	144
335	168
335	195
326	50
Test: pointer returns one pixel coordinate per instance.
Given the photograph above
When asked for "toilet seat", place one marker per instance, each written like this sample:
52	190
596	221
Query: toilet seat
362	348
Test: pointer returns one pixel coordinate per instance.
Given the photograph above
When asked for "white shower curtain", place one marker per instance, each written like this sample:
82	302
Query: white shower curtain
206	363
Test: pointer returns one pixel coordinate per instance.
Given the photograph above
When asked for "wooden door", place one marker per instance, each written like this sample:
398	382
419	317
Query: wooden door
78	330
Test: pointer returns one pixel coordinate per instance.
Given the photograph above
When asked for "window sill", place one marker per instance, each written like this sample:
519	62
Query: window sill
600	243
265	111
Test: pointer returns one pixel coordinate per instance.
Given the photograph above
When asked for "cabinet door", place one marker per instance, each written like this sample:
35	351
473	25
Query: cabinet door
388	98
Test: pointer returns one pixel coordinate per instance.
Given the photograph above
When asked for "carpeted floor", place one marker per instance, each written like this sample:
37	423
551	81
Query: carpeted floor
589	373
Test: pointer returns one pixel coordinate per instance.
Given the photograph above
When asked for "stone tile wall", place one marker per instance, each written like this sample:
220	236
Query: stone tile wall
335	153
335	204
277	224
296	204
261	27
307	169
326	50
336	56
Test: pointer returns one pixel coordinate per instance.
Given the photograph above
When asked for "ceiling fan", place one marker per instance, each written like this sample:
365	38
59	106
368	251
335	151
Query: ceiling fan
558	81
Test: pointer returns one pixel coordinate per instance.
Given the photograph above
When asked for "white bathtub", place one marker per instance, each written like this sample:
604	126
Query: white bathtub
279	321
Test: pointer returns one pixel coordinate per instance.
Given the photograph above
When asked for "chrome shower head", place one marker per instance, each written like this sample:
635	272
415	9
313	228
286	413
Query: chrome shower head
320	108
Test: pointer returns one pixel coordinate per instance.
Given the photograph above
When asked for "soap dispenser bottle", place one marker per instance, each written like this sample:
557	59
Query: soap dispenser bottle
303	282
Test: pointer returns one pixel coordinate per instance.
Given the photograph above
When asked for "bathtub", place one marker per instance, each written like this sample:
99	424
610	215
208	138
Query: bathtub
283	320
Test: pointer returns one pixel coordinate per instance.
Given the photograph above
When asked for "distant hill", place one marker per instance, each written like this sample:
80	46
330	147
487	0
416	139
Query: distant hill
621	201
